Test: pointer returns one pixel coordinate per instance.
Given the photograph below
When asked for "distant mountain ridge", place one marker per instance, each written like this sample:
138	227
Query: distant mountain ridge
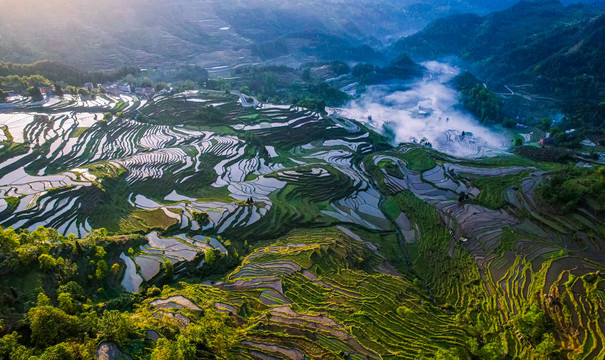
503	44
98	35
548	49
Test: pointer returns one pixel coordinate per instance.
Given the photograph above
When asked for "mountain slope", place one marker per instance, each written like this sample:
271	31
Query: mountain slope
100	35
507	42
542	48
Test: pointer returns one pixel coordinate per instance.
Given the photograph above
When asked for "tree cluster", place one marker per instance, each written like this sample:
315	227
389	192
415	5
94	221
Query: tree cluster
574	187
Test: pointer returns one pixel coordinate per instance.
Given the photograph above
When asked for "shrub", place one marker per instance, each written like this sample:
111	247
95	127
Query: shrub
404	311
201	217
115	269
102	270
47	262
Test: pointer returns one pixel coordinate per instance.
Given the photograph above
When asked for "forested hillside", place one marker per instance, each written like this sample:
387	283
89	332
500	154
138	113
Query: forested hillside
543	51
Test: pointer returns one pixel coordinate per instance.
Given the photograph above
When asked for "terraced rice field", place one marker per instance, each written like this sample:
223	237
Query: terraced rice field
523	252
304	313
321	204
159	163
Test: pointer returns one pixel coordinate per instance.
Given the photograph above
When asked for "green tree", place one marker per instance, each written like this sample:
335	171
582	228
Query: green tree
100	252
210	257
494	350
74	289
116	327
102	270
217	332
47	262
245	90
306	74
509	123
42	300
165	350
210	115
313	104
28	254
186	85
545	123
11	349
66	303
50	325
9	240
340	68
58	90
62	351
547	347
131	80
153	291
201	217
404	311
363	71
442	354
270	85
168	269
146	82
532	323
34	93
180	349
3	96
67	269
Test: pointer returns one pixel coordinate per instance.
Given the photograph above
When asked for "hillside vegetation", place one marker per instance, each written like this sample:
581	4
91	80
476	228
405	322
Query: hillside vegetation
542	50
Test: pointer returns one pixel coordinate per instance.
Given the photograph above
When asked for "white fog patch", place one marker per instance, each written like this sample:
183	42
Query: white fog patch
426	109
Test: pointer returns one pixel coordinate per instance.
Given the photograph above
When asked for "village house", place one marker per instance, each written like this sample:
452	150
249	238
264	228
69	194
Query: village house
112	89
125	88
546	141
46	91
147	92
89	86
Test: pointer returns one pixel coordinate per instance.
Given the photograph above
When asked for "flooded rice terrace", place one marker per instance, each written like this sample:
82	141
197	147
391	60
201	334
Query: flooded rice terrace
70	167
